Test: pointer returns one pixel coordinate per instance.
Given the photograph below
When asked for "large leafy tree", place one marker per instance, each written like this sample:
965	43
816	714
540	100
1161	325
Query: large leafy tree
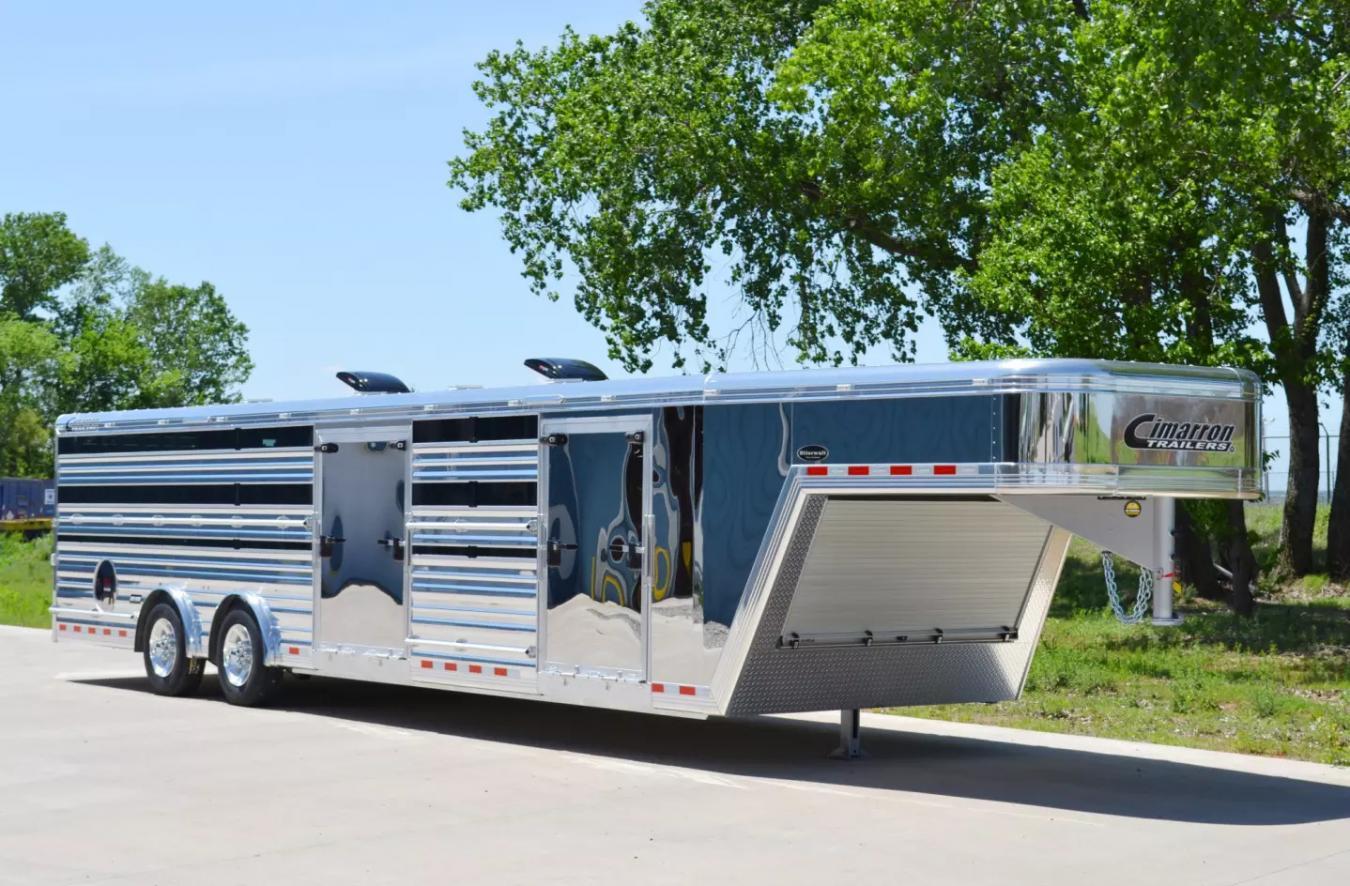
38	255
197	347
135	341
644	160
84	330
1046	176
1165	210
29	367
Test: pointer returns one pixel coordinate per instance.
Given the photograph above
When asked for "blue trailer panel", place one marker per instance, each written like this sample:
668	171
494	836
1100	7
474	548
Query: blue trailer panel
23	499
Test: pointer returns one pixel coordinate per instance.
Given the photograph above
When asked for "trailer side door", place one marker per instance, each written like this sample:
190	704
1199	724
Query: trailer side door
594	539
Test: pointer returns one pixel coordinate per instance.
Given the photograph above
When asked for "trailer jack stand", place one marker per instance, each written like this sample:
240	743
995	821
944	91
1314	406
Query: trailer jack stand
850	736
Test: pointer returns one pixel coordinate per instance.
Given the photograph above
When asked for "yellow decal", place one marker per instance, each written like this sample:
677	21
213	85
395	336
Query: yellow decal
661	587
612	579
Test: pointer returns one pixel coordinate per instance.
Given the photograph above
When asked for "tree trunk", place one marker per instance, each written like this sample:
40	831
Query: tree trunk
1300	501
1295	349
1338	533
1194	556
1241	560
1193	546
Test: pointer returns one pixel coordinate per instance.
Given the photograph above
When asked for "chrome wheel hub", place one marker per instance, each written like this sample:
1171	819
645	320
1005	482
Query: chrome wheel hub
163	646
236	655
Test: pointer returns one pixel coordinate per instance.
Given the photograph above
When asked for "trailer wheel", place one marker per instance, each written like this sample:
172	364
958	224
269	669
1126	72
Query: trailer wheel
244	679
167	666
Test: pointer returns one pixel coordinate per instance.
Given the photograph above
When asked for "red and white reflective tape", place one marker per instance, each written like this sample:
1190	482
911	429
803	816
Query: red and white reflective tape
476	670
680	690
93	630
889	470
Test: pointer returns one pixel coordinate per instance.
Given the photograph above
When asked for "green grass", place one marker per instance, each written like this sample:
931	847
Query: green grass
1278	683
25	581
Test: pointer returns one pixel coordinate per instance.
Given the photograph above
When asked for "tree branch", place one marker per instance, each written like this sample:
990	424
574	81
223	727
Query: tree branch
1318	288
1311	200
1296	296
1268	291
862	225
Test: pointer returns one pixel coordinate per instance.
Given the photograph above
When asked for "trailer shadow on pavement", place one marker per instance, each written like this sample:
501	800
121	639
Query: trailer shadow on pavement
794	750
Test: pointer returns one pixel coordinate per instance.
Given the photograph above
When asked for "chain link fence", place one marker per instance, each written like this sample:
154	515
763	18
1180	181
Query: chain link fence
1277	473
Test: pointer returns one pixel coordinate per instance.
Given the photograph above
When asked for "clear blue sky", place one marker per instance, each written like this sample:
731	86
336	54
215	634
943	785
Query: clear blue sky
294	155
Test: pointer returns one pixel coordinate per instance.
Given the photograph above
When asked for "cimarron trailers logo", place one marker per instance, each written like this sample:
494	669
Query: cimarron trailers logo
1150	431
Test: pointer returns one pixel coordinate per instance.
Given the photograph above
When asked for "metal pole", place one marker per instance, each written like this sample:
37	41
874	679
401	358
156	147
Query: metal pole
850	735
1326	457
1164	568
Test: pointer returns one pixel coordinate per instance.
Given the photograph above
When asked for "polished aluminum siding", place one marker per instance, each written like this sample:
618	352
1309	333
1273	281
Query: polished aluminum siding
776	678
474	610
196	467
483	461
209	574
896	567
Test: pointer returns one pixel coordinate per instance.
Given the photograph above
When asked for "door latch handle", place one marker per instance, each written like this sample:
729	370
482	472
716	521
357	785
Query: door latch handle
395	546
326	543
555	549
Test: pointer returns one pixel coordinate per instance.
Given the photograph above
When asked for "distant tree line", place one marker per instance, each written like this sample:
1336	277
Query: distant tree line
1157	180
83	330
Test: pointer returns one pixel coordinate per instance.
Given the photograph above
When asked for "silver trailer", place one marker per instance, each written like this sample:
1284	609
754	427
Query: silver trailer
693	546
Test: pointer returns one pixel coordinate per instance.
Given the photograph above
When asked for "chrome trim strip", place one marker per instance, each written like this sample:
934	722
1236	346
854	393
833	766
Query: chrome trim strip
291	453
530	446
157	521
60	611
194	478
460	644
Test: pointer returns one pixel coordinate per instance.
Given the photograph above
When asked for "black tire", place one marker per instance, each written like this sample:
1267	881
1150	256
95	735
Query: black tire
260	684
167	666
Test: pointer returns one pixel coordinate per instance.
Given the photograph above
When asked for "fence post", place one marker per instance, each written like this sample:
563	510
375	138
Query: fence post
1326	457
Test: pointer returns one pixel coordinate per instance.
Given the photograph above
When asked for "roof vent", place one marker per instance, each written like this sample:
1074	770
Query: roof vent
565	369
373	382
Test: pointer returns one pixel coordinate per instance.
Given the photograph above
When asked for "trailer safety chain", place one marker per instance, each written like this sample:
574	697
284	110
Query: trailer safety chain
1141	597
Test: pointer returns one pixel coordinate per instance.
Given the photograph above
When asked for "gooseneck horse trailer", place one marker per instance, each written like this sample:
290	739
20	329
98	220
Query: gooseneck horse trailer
694	546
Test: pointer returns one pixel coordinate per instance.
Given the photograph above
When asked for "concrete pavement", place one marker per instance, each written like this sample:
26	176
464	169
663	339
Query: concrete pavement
102	782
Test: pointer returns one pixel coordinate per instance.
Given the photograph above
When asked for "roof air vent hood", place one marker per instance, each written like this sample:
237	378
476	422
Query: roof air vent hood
565	369
373	382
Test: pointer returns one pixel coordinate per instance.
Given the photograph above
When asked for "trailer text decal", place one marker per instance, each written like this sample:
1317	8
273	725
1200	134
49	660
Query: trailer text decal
1149	431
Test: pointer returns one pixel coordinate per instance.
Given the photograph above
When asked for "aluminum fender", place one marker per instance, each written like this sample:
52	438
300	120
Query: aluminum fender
267	624
192	624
